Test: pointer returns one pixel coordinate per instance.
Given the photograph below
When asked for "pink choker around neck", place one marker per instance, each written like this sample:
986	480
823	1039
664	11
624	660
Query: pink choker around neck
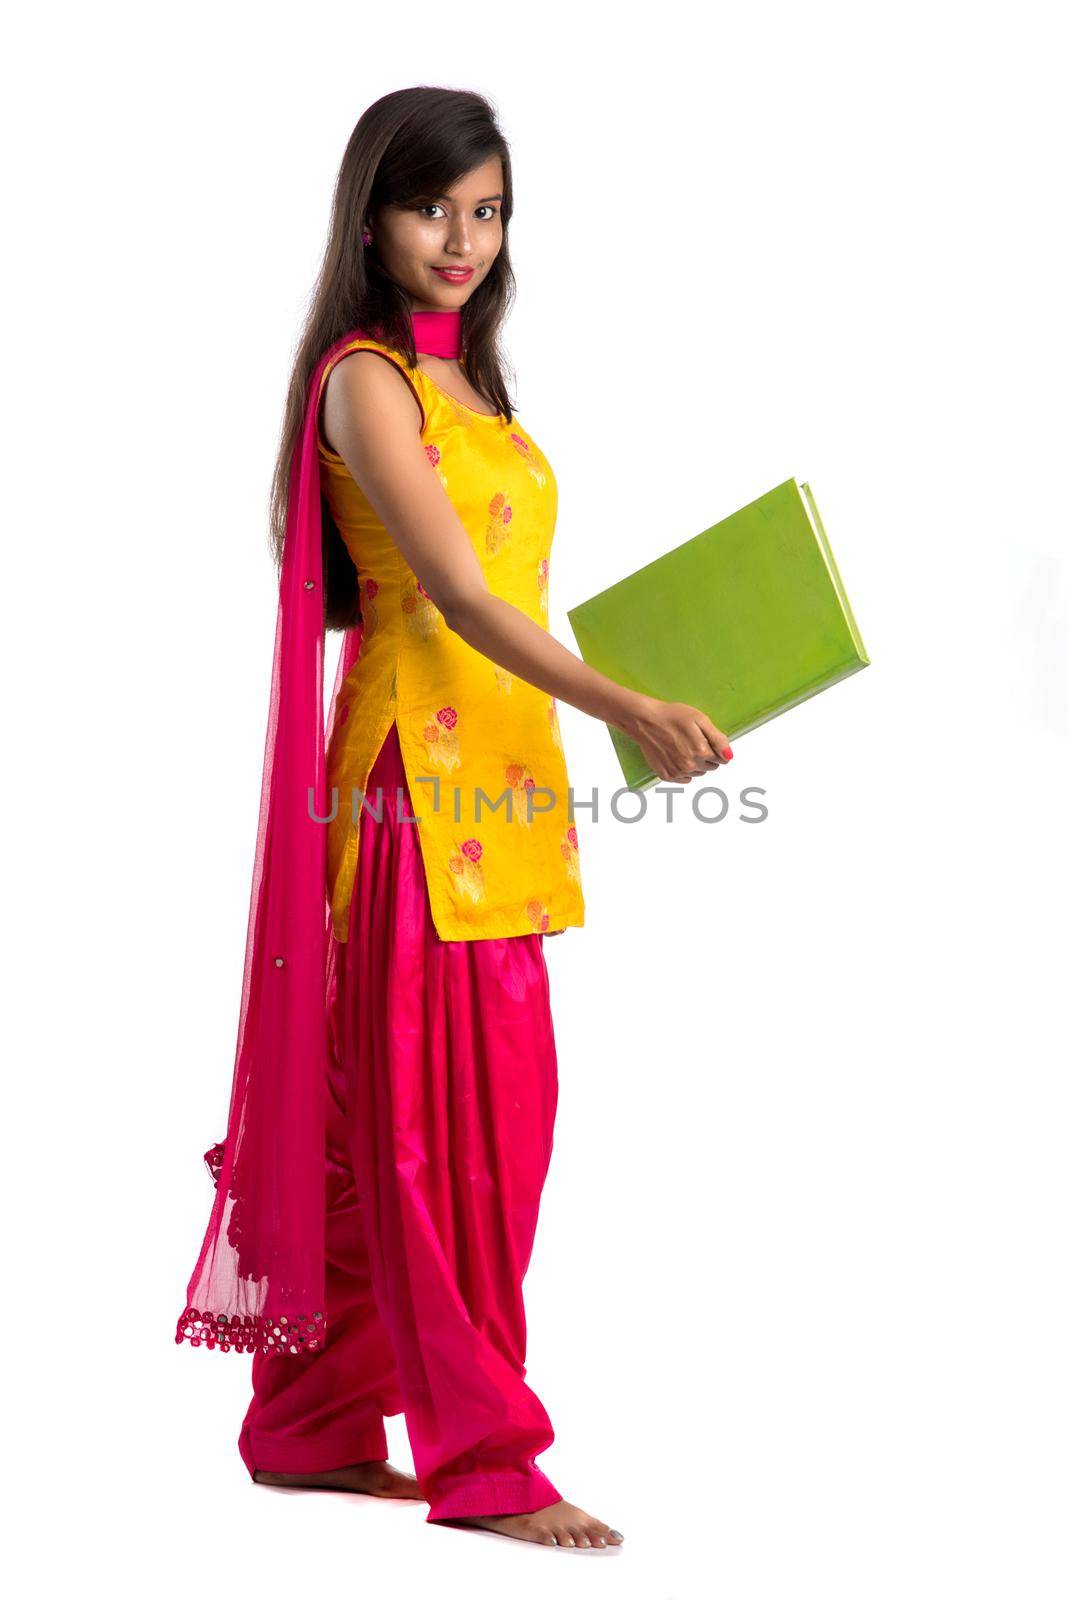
437	333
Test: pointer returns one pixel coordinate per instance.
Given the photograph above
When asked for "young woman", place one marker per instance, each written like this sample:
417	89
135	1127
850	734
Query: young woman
424	1091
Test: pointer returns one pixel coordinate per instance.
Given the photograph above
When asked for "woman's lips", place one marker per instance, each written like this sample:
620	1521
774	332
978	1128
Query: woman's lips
450	276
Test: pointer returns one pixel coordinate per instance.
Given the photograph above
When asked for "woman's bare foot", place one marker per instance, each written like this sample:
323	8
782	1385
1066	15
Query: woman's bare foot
561	1524
367	1477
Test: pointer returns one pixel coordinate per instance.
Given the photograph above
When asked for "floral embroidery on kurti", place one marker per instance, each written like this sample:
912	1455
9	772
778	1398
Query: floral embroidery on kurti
467	868
442	739
543	587
433	455
569	851
368	610
538	915
520	779
421	614
554	723
497	529
529	457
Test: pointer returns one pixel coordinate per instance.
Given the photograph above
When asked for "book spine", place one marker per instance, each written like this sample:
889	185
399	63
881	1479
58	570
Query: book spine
832	567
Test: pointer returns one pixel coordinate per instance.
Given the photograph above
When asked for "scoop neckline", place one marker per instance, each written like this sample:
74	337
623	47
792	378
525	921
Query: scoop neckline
487	416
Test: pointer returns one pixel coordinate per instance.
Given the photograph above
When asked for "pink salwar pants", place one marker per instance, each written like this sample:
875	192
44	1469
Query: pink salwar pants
440	1121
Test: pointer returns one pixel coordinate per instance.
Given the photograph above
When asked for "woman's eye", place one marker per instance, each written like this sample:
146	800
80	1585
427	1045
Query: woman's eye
433	206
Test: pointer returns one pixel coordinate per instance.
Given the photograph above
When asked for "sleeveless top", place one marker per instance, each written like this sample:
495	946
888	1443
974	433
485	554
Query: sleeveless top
482	749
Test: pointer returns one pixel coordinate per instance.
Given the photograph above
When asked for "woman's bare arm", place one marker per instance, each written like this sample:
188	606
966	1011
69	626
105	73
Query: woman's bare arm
371	418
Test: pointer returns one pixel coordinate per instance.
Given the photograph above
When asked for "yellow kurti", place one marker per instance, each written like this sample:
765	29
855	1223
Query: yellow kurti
509	866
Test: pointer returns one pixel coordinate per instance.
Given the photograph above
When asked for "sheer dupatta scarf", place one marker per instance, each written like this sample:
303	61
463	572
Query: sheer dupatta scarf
259	1280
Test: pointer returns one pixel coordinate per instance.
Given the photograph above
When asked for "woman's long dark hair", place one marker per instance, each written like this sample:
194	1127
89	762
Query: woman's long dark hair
408	148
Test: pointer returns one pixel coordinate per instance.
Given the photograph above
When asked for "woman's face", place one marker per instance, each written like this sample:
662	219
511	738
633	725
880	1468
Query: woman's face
462	229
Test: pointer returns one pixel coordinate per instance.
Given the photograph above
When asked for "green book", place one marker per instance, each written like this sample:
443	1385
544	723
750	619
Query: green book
744	621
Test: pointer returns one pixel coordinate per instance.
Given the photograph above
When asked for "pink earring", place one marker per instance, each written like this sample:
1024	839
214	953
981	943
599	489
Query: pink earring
366	237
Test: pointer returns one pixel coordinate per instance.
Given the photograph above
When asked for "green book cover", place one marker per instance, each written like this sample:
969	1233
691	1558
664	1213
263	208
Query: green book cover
744	621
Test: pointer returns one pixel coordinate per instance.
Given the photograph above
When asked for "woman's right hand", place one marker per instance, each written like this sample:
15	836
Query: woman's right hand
678	741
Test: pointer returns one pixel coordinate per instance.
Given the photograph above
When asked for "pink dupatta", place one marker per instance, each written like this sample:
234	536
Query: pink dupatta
259	1279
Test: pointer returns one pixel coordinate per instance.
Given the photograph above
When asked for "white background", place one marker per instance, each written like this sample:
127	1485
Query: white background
797	1303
